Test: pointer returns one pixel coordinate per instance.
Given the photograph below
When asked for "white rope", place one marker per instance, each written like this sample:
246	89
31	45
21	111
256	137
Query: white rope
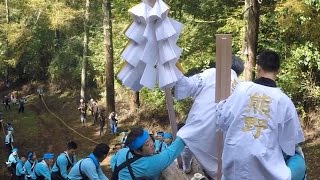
64	123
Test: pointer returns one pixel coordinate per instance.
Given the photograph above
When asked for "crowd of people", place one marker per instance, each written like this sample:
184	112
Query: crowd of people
98	116
259	123
65	166
12	101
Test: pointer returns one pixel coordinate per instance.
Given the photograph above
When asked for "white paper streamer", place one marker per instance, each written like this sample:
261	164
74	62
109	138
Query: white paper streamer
152	54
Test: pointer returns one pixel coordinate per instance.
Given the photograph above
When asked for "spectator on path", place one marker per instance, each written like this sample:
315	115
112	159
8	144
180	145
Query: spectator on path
9	142
83	112
91	105
29	166
89	167
6	102
96	111
64	162
261	128
113	122
22	100
102	121
139	159
13	99
116	148
12	162
40	92
42	170
20	170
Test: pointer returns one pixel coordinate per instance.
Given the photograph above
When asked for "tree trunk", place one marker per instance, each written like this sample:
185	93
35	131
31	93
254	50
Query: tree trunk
107	30
250	42
7	11
57	39
85	51
7	43
135	101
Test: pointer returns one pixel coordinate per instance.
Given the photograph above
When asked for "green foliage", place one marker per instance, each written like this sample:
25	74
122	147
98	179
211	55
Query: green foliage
303	66
313	3
156	97
30	48
65	67
61	15
299	78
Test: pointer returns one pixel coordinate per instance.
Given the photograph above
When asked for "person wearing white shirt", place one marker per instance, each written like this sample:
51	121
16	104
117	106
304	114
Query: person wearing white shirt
260	126
199	130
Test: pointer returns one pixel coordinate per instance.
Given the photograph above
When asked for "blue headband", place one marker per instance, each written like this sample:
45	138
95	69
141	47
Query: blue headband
139	141
14	150
167	136
48	156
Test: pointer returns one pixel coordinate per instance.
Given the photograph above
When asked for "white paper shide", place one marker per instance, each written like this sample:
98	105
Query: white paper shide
151	54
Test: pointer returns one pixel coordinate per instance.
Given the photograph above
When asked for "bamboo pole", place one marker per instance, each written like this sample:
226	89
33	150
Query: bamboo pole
223	79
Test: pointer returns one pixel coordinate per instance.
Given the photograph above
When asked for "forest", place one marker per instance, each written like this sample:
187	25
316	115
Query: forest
73	45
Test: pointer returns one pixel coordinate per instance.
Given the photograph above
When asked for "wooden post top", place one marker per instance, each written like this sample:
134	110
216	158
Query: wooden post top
150	2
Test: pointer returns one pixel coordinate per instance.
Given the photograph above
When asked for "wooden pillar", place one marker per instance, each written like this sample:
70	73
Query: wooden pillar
172	118
223	83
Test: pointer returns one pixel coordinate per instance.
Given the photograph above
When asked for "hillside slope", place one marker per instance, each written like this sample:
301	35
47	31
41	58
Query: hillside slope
36	129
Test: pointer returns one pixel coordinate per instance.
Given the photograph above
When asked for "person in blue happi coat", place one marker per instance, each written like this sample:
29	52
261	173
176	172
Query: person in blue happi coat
29	166
165	142
158	141
89	167
20	170
42	170
139	160
64	162
116	148
167	138
12	162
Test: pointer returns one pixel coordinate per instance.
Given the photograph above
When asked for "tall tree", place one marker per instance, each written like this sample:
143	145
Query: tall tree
135	100
7	44
85	50
250	41
108	48
8	11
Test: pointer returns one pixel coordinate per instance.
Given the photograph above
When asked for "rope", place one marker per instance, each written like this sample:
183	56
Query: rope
64	123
